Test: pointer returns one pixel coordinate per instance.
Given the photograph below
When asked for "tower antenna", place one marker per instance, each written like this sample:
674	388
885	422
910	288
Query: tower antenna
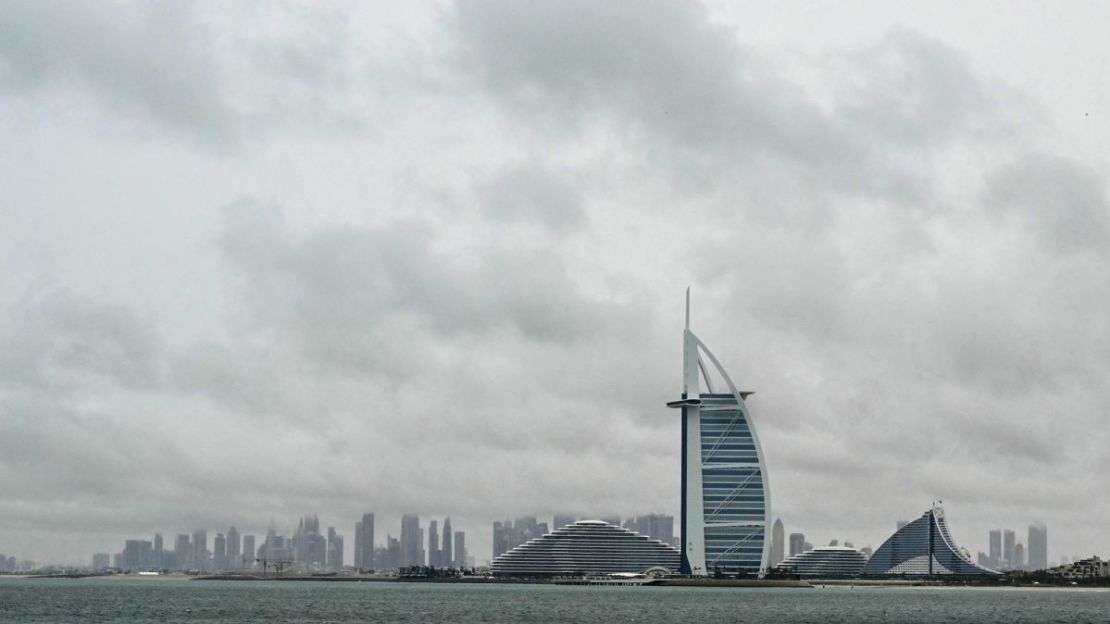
687	308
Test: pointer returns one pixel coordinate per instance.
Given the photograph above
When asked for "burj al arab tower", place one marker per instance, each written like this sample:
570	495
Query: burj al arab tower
726	497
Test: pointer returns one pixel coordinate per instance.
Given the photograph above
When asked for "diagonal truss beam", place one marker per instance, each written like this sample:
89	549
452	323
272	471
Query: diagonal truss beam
731	549
731	495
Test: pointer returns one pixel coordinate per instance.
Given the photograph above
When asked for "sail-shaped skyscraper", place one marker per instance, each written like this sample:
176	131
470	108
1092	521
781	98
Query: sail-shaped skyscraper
726	500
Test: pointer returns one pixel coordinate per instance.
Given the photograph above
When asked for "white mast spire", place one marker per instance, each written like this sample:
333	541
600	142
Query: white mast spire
687	308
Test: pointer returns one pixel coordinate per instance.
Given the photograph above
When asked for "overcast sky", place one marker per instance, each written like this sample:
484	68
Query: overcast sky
264	259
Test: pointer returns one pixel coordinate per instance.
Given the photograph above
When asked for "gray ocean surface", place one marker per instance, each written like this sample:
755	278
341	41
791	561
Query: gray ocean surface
171	601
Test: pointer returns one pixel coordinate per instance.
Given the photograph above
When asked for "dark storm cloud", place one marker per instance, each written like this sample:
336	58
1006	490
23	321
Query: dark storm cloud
339	279
710	109
1061	202
58	342
223	80
151	58
909	92
658	66
533	195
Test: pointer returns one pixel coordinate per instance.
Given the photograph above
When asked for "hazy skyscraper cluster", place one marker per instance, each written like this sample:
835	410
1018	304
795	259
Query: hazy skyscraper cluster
656	526
230	551
444	549
1004	552
9	564
309	549
512	533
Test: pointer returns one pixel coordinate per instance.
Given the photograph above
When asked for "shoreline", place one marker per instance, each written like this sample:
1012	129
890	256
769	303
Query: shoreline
831	584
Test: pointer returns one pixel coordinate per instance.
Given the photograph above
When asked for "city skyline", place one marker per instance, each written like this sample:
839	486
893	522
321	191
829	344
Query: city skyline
187	544
309	546
260	260
1034	545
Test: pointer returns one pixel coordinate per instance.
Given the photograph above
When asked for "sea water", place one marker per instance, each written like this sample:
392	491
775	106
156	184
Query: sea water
170	601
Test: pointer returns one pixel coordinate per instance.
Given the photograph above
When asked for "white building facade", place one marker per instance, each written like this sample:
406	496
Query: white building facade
726	501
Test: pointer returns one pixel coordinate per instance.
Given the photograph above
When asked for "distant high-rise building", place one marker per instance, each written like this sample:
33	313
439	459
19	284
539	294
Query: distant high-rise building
1008	548
433	544
995	551
1038	547
275	548
335	550
234	544
158	551
137	555
219	552
101	561
200	549
778	538
502	534
510	534
364	542
310	547
412	541
560	521
806	547
248	551
182	550
657	526
1019	557
447	558
381	558
526	528
460	549
797	543
394	552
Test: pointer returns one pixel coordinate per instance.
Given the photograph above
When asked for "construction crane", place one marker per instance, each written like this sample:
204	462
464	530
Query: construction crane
279	565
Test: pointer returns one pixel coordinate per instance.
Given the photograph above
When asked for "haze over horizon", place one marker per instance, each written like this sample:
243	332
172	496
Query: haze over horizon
261	260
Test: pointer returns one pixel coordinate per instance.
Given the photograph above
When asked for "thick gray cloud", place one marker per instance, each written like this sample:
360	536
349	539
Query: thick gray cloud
657	67
152	59
56	341
534	196
1061	202
440	270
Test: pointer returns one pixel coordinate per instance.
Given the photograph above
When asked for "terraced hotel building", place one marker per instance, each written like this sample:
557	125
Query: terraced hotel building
589	547
726	500
828	562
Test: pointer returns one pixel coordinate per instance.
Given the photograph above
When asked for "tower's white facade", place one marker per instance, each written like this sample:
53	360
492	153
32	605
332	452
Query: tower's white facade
726	501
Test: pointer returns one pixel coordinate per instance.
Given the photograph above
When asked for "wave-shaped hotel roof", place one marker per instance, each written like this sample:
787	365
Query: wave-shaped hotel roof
923	547
587	547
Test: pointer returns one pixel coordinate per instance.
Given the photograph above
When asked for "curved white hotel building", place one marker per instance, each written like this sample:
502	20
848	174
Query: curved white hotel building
587	547
726	501
826	562
923	547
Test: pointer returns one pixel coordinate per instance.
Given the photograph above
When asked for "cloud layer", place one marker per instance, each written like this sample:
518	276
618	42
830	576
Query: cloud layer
271	261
